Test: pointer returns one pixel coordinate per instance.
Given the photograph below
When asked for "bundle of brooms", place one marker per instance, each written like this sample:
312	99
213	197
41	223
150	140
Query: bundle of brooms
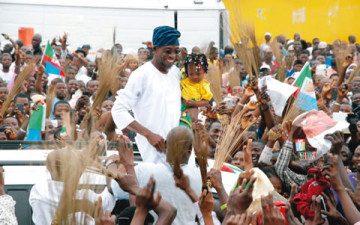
108	70
275	47
201	146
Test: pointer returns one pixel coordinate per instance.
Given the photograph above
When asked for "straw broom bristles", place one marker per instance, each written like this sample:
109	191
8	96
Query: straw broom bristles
176	151
23	75
50	94
201	145
281	74
108	70
215	83
354	73
230	139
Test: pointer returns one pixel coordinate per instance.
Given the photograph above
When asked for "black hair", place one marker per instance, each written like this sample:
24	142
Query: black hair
269	171
199	60
333	63
298	62
305	52
228	50
29	52
21	95
334	75
61	102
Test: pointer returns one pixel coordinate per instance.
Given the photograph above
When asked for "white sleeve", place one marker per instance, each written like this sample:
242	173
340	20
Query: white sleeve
108	200
266	155
126	99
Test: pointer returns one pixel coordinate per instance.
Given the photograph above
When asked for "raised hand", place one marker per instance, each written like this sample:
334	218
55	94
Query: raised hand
145	198
240	199
215	178
238	219
333	215
206	202
315	205
270	214
337	141
331	173
100	217
125	150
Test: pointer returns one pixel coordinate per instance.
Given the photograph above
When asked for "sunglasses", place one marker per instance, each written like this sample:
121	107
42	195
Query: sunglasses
169	51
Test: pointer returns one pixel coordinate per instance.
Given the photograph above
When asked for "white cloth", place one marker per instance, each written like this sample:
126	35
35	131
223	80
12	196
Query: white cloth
81	71
7	210
6	76
165	183
266	155
155	100
83	77
45	196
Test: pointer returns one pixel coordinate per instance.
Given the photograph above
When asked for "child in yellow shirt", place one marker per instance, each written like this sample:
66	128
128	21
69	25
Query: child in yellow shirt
195	90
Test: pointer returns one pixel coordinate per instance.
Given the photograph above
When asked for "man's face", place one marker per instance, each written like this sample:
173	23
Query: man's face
6	61
44	80
256	152
214	55
3	93
73	86
243	72
92	87
12	122
267	38
297	46
355	86
304	58
61	90
71	73
238	160
36	40
215	131
268	55
25	102
108	105
356	98
77	62
356	159
166	56
31	83
91	67
49	127
298	67
316	41
28	58
61	109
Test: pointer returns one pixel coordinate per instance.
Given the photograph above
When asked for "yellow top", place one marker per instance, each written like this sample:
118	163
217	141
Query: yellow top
195	91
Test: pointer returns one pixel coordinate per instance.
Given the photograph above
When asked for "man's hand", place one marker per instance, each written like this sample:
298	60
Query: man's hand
249	92
241	198
270	214
333	215
355	196
238	219
326	91
145	198
157	141
343	90
247	155
206	203
337	141
331	173
215	178
128	183
315	205
182	182
2	182
100	217
125	150
348	60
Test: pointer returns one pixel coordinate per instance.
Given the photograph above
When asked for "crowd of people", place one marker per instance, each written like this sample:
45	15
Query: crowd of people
166	97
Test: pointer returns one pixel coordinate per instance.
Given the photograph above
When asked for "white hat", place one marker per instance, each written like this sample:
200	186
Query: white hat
290	42
267	34
265	66
322	44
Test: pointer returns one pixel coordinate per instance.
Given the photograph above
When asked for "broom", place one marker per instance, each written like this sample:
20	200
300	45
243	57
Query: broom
23	75
201	145
108	70
281	74
175	153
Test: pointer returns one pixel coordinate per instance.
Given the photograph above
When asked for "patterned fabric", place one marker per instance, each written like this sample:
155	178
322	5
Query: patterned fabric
165	36
195	91
7	210
286	175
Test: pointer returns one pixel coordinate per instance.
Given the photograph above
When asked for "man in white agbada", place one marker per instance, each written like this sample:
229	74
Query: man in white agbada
45	196
153	94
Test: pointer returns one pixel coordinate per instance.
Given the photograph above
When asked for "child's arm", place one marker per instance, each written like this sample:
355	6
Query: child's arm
195	104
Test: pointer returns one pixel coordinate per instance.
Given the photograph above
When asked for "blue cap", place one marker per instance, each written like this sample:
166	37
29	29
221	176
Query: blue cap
165	36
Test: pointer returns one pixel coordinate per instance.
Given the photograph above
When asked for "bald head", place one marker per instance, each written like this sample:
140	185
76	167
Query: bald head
179	139
36	40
